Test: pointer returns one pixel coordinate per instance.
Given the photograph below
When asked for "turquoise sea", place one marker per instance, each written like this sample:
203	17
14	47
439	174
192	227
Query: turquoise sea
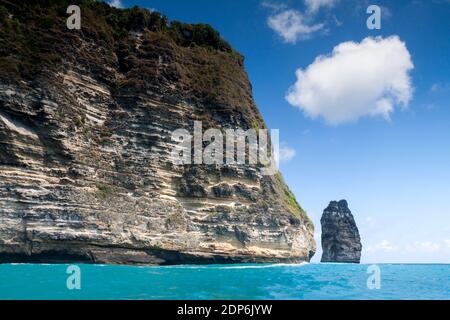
307	281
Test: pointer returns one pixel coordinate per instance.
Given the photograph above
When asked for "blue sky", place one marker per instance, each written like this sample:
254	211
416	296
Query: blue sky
392	165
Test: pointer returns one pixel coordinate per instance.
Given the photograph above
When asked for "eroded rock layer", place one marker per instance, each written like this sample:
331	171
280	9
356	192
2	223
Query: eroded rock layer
86	118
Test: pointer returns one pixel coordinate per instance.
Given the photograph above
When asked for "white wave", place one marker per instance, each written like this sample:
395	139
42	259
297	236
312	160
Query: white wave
276	265
250	266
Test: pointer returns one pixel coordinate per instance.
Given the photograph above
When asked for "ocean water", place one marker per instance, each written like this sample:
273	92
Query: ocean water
306	281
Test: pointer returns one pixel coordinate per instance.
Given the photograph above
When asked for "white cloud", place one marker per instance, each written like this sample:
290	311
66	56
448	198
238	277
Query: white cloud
429	246
314	5
116	3
291	25
437	87
371	221
448	243
383	246
273	5
417	247
385	12
356	80
337	22
423	247
286	153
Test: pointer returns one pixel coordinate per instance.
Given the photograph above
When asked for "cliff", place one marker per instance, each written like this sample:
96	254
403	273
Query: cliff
340	236
85	141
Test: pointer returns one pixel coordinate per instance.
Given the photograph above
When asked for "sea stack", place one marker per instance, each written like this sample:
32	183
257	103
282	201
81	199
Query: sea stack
340	236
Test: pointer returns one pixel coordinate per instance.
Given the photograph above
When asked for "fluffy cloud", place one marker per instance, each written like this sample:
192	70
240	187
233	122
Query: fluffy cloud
116	3
286	153
315	5
356	80
291	25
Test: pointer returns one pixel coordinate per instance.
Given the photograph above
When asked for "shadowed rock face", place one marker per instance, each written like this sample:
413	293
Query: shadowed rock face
85	144
340	236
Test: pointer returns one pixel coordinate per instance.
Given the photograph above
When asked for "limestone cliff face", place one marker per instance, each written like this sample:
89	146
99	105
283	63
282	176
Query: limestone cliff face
340	236
86	118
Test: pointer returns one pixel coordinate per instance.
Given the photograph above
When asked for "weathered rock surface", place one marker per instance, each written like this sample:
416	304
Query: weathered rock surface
340	236
86	118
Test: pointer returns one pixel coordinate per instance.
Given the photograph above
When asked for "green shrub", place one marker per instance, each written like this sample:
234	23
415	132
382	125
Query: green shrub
104	191
197	34
46	22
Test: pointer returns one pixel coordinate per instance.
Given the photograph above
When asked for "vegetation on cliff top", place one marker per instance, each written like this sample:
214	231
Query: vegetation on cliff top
109	21
35	42
34	36
290	202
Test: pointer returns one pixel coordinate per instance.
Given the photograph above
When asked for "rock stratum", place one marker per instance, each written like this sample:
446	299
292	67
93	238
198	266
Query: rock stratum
340	236
86	118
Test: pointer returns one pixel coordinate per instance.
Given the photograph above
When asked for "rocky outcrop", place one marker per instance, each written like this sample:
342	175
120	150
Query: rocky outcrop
86	118
340	236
